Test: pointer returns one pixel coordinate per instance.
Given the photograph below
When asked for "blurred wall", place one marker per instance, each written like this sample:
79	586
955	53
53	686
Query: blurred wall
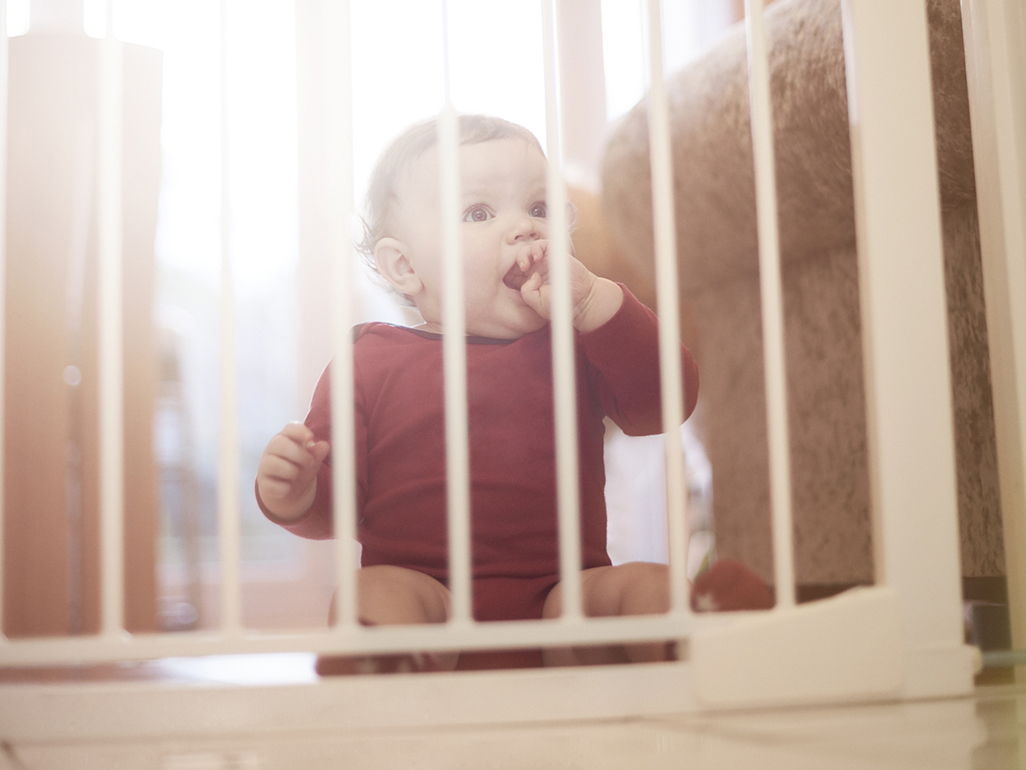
51	499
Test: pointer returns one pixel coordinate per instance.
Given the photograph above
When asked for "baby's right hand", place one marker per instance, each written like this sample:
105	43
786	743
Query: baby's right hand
287	474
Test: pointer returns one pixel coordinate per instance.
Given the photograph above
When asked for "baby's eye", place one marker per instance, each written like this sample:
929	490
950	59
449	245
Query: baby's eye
477	214
538	210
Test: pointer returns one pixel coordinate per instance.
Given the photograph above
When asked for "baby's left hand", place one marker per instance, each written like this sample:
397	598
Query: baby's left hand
595	300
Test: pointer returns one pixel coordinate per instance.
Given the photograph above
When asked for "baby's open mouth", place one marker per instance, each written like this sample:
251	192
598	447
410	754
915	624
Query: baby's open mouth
515	278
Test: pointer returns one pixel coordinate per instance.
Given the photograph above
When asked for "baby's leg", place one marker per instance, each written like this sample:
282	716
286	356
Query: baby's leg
395	596
636	588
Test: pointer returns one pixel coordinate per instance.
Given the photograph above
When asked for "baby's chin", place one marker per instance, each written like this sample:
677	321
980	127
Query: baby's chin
520	324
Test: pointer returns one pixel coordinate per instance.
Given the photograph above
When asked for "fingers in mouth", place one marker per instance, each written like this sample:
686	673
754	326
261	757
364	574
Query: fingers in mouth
515	278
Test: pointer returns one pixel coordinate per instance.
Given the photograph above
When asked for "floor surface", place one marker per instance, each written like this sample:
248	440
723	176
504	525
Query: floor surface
983	732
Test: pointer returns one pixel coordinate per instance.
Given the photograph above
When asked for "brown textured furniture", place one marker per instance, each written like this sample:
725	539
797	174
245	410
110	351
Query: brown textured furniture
717	257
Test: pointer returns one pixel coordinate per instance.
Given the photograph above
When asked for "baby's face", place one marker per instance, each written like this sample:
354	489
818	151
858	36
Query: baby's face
502	212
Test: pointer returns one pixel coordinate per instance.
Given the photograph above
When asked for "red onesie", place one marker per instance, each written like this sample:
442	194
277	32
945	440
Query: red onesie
401	450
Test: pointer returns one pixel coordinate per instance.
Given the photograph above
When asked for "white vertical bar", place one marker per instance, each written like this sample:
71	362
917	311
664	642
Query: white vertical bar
337	47
111	365
772	304
671	383
4	73
995	43
228	447
454	351
563	358
904	316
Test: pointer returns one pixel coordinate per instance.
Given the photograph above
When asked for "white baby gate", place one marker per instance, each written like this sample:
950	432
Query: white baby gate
899	639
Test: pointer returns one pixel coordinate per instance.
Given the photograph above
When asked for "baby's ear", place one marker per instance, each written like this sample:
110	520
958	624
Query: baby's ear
395	267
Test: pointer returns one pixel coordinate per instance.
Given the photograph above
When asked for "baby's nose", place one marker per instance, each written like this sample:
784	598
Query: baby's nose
524	228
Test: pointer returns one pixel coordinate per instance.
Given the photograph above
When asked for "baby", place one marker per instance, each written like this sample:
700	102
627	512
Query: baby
401	473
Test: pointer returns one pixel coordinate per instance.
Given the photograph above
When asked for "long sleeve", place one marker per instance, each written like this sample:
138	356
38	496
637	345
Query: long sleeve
318	522
623	358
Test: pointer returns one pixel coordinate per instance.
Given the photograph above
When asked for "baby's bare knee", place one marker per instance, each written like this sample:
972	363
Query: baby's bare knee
395	595
635	588
644	588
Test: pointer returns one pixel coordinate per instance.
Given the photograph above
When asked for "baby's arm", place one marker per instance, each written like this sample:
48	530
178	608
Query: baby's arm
624	371
287	473
595	300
